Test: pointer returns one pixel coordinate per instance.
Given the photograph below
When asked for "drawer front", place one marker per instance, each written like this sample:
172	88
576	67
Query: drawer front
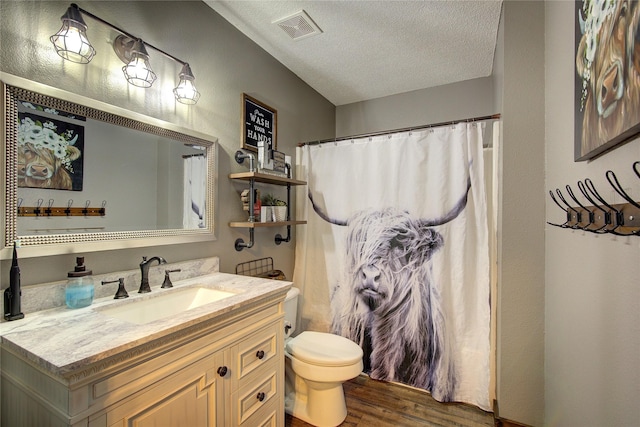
257	350
267	416
261	392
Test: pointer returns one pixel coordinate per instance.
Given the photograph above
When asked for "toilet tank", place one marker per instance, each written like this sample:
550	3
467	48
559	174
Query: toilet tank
290	311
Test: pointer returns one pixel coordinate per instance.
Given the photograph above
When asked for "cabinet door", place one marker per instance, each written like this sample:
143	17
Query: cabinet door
192	396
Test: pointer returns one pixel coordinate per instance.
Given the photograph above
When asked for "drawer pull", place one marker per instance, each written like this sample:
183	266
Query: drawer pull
222	371
260	354
261	396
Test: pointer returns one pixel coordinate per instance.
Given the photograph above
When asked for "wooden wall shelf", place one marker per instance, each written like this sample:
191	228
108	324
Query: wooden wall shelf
265	178
256	224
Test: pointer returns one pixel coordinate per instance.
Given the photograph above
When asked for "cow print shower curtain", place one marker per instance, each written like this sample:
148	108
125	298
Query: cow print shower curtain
395	255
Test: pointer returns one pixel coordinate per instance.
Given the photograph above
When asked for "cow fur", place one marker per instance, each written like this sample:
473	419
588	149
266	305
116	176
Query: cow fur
387	302
38	167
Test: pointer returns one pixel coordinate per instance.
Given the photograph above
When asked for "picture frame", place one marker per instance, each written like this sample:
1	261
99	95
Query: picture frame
259	123
50	149
607	76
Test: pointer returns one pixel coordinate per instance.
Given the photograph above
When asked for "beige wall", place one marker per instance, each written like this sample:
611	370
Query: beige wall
225	64
592	282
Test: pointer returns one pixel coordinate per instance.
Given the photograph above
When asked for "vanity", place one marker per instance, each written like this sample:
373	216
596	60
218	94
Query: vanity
217	361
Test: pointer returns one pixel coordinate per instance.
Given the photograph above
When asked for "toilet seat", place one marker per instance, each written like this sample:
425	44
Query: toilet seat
323	349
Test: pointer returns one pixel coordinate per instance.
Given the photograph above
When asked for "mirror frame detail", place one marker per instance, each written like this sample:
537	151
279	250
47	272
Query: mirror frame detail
16	88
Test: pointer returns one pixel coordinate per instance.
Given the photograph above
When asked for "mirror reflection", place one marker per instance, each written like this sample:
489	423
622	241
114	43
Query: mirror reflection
79	170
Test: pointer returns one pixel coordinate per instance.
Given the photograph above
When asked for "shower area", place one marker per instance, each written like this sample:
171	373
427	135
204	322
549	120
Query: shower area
399	252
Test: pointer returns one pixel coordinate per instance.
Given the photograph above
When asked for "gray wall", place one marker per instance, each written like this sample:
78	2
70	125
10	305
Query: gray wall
471	98
521	260
225	64
592	285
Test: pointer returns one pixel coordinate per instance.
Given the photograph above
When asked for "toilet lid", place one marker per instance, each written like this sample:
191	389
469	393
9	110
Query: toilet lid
319	348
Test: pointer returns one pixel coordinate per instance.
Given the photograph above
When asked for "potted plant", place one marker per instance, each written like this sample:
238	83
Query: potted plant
277	207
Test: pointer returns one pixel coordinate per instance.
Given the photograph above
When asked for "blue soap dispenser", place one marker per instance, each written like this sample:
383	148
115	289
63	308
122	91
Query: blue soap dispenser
79	290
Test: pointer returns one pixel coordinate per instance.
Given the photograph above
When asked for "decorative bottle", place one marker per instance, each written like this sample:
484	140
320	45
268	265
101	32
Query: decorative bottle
80	289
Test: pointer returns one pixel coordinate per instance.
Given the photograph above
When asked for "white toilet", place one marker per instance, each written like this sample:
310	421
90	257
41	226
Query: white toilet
316	365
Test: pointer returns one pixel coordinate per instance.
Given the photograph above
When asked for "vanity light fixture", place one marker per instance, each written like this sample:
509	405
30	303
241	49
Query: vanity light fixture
72	44
71	40
186	92
138	71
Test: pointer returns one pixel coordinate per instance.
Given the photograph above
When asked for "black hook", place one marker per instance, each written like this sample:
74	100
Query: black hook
610	175
37	210
563	209
578	213
592	216
636	168
48	210
619	214
607	214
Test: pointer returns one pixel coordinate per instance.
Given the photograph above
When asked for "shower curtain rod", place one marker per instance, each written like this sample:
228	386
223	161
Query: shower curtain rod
387	132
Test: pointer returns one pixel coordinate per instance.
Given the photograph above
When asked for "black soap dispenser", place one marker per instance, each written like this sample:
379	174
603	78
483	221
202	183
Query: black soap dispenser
79	290
13	294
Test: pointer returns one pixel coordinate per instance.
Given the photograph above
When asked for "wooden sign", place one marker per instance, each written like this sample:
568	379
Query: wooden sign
259	123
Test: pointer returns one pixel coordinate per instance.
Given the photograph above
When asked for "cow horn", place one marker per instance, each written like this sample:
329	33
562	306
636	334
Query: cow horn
453	213
324	215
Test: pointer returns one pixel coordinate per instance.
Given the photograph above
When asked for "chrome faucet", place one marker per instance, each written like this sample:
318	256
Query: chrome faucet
144	269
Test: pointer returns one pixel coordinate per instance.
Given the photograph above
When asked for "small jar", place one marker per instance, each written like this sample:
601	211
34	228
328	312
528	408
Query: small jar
80	289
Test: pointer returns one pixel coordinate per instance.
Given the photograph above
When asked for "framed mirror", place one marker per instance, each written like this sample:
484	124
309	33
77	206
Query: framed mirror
83	176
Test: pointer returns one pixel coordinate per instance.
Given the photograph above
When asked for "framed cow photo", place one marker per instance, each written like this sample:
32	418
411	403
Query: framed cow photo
259	123
607	78
50	148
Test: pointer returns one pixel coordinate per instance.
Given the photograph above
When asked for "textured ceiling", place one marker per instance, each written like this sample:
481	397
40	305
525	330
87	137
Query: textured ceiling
370	49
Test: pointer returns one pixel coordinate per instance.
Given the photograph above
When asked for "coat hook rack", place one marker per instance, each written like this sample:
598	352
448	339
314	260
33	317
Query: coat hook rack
601	217
51	210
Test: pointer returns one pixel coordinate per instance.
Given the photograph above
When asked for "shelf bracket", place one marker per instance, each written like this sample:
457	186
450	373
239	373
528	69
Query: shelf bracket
241	155
279	239
240	244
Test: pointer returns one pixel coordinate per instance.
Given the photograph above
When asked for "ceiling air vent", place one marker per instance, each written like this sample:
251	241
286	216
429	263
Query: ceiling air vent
298	26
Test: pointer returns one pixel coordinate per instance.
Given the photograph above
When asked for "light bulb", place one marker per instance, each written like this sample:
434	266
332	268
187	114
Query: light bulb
138	71
186	92
71	40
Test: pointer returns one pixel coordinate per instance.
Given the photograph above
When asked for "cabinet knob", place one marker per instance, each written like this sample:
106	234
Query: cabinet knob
260	354
261	396
222	371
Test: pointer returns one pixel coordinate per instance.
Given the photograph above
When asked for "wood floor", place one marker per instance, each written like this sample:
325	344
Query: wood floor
373	403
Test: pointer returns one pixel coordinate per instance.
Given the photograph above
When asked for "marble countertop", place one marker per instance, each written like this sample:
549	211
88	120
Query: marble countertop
63	341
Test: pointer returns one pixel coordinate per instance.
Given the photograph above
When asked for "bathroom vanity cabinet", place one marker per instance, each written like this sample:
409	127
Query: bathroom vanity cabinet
225	371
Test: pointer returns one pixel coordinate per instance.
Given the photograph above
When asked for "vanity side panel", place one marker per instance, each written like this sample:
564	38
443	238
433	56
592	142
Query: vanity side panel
29	396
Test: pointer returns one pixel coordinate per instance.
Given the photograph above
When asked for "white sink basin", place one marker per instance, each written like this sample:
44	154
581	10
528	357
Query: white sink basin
167	305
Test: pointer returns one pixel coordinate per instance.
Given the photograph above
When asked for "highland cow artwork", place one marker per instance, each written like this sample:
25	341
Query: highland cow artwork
607	84
49	153
391	309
